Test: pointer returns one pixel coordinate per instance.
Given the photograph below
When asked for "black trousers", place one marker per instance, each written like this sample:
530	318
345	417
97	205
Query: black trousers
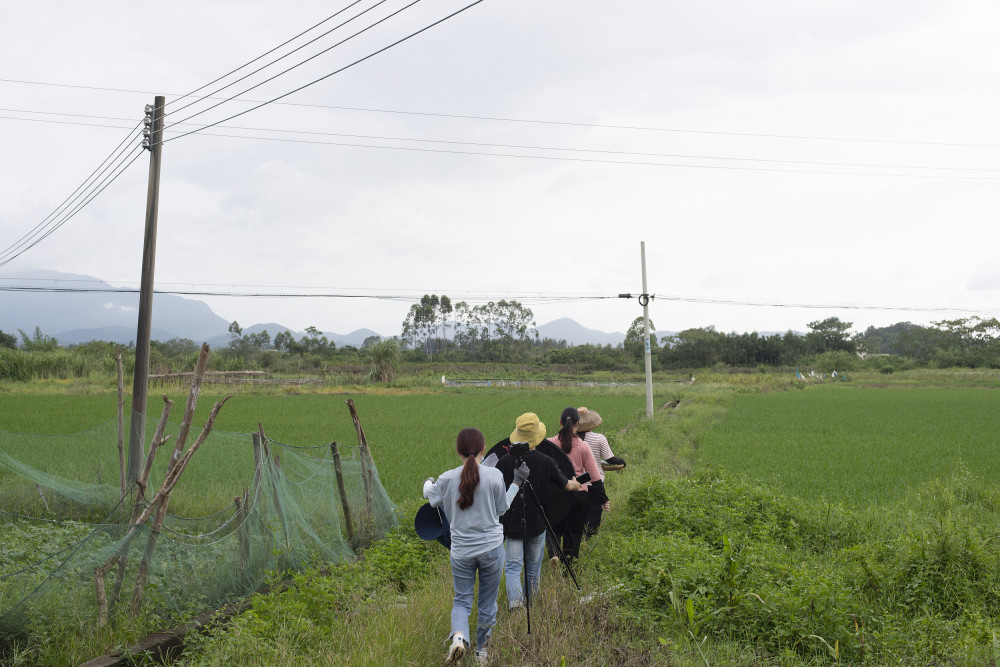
569	531
594	513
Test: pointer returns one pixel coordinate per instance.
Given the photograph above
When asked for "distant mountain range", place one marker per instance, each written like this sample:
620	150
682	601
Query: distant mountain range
91	309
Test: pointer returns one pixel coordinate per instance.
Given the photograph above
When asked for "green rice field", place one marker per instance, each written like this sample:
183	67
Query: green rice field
412	436
857	444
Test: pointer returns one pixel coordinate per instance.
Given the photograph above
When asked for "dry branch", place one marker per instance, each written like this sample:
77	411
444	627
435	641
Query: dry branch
173	476
192	402
159	502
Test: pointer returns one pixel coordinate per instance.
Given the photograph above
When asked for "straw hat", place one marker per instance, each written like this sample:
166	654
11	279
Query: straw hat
528	430
589	419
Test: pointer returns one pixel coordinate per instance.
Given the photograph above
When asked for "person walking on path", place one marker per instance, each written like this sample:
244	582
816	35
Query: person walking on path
525	544
569	531
473	498
589	420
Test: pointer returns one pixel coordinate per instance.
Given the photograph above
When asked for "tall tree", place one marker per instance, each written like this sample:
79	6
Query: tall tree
635	337
835	334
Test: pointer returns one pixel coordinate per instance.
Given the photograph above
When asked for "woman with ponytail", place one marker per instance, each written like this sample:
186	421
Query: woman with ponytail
473	499
572	453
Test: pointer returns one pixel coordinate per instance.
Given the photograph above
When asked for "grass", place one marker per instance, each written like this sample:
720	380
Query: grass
860	445
411	435
786	586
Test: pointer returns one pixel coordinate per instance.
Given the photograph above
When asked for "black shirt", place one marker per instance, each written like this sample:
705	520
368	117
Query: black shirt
545	478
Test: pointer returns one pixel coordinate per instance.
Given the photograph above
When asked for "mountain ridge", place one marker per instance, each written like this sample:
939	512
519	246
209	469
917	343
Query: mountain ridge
102	312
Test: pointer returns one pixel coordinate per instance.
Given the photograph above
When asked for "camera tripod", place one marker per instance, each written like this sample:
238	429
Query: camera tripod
524	537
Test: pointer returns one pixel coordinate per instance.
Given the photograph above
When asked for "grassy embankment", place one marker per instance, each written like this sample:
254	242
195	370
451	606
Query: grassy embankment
705	564
410	433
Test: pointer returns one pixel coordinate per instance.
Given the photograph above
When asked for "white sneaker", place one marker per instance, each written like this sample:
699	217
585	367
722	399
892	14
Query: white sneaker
482	657
457	649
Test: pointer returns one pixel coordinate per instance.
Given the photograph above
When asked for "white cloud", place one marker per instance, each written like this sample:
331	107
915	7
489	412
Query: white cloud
728	223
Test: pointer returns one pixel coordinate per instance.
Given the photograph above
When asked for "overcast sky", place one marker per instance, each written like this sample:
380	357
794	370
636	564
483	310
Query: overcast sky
784	153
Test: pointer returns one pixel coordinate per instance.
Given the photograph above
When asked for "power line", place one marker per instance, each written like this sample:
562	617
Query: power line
282	73
828	306
263	55
259	69
84	193
602	161
35	237
487	297
863	165
537	121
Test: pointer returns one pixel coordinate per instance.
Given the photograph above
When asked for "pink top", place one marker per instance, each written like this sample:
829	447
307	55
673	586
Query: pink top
582	459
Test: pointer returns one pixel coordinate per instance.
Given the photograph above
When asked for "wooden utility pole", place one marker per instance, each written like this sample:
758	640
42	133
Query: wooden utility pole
140	377
644	300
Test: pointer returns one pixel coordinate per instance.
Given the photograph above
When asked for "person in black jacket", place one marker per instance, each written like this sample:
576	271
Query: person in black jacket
574	458
525	542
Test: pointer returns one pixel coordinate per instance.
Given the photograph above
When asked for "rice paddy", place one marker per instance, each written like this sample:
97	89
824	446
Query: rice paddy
857	444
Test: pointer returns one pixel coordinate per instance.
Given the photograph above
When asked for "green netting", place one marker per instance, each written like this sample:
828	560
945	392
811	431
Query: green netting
241	512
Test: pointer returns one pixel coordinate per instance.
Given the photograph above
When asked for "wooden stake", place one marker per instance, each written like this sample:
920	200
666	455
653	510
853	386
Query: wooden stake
367	464
243	539
275	467
39	487
121	423
339	471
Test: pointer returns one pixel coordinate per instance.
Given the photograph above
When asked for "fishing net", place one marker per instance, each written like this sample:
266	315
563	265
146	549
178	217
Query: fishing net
244	509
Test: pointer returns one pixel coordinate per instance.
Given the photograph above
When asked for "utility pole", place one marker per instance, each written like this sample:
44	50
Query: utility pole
152	141
644	300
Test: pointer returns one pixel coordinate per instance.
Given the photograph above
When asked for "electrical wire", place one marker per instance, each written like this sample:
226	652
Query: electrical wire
115	159
337	71
263	55
286	71
861	165
534	298
259	69
603	161
537	121
37	236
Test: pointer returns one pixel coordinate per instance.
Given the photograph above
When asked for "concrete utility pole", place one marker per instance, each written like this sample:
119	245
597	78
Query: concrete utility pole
644	300
140	377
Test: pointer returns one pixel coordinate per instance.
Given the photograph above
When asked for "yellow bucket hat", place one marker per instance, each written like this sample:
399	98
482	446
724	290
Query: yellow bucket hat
528	430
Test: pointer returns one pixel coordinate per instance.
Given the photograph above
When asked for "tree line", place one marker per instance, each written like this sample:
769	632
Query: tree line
436	330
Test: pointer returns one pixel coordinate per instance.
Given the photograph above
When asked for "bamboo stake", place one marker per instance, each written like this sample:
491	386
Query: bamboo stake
339	471
121	424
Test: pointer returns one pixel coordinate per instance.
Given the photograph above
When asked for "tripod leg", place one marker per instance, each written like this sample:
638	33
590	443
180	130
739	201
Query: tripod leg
552	532
524	564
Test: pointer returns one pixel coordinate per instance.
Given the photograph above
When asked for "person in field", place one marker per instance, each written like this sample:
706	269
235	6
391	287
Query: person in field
525	544
473	498
606	460
573	455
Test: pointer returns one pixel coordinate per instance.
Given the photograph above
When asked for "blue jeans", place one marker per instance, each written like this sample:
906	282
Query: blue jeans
530	557
463	574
